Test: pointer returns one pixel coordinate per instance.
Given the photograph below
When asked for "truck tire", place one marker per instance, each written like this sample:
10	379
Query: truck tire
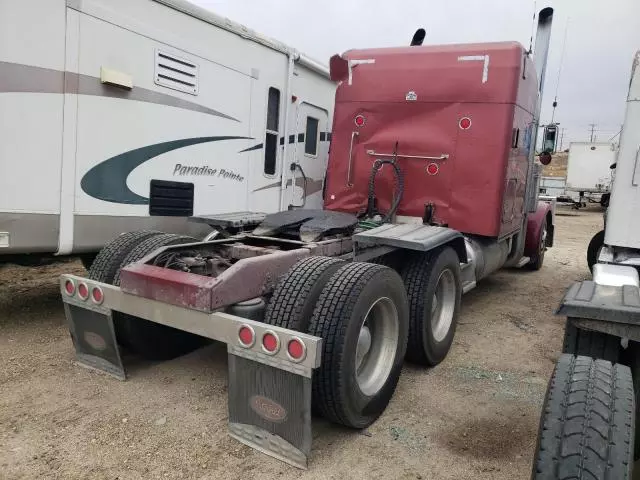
631	357
586	427
590	344
107	262
295	296
362	316
392	260
87	260
593	250
148	339
538	258
434	288
148	245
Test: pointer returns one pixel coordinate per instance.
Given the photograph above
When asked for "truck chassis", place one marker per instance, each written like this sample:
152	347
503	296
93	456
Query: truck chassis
323	319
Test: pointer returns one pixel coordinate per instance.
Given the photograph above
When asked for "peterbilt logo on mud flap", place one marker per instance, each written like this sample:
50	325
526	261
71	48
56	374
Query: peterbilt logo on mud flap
95	341
268	409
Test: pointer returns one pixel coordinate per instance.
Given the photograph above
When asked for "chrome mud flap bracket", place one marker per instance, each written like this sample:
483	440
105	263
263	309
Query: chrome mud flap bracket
94	339
270	405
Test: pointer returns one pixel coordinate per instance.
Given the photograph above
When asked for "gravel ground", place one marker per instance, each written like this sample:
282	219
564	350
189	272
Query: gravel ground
475	416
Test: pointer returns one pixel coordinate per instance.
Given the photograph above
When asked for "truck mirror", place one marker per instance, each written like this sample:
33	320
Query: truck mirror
545	158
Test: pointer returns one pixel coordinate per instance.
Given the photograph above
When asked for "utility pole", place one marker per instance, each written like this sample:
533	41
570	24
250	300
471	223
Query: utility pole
593	129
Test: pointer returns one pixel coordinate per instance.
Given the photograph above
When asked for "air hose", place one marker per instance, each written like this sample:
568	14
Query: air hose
377	166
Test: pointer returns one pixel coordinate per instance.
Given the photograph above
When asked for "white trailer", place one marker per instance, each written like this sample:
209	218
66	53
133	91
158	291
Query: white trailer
113	113
589	171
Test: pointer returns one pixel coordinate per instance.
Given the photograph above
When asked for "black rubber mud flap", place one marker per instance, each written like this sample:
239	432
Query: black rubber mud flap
94	339
270	408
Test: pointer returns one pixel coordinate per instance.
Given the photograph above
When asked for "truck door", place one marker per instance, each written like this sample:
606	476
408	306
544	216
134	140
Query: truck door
310	156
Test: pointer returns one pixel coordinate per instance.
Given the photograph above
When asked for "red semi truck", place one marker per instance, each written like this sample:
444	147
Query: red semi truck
431	186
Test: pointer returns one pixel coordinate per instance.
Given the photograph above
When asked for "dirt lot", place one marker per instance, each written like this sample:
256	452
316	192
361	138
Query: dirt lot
474	416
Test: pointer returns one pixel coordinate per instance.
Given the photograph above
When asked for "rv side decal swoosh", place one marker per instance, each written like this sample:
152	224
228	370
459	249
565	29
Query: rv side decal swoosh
15	77
108	180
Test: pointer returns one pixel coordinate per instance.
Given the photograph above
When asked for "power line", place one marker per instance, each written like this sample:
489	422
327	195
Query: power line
619	132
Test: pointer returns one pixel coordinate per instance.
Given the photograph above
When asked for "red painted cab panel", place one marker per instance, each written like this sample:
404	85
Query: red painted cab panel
469	107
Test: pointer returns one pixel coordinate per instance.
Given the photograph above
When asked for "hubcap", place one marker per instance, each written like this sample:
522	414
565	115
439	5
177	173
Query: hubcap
443	305
377	346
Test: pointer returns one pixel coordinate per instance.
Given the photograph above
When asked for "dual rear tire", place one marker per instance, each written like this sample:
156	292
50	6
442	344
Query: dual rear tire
370	318
148	339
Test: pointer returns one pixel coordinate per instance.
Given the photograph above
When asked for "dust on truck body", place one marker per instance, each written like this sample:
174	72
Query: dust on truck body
431	186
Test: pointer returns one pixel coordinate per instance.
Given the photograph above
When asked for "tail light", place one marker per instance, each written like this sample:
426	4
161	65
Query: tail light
296	349
246	336
83	291
69	287
270	342
97	295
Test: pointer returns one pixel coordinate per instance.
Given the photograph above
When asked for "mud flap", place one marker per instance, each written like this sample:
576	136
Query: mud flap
270	407
94	339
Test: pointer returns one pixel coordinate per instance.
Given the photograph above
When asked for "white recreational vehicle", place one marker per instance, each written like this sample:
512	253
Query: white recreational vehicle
113	113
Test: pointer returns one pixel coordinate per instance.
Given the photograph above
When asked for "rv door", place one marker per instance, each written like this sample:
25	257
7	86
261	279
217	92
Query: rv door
310	156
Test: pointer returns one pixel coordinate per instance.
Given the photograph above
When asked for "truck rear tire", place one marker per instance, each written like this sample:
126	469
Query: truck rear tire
593	250
295	296
434	289
362	317
107	263
587	422
393	260
590	343
148	339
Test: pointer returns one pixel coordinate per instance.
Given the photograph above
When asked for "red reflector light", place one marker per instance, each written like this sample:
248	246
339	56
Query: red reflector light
83	291
69	287
246	336
360	121
465	123
296	349
270	342
96	295
433	168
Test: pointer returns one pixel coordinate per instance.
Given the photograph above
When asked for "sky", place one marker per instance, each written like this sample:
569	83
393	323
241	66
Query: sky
601	39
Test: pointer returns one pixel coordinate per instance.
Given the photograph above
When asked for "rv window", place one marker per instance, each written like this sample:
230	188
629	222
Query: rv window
311	137
273	109
270	152
271	136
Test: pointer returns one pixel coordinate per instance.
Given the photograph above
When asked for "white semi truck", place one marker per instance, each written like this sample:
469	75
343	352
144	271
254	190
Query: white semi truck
120	115
589	420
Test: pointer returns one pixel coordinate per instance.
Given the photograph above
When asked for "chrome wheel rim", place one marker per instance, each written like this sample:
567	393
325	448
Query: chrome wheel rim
443	305
377	345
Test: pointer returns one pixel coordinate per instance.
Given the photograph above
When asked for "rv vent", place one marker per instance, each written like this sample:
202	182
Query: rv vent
170	199
176	72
